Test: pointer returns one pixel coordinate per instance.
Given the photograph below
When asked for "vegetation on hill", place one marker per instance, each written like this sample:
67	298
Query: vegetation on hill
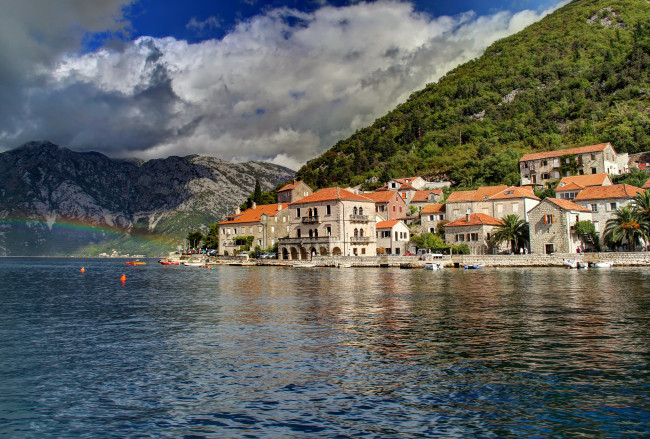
580	76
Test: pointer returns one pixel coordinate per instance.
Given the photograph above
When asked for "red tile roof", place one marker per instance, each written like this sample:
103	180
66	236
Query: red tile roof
290	186
561	152
515	192
602	192
567	205
382	197
423	196
331	194
253	215
433	208
582	181
475	219
386	224
480	194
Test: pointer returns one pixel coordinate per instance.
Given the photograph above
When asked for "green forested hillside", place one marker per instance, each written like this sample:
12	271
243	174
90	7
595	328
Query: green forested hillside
580	76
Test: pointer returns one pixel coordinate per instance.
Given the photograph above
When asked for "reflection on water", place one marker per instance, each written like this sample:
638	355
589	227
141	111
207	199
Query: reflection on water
281	352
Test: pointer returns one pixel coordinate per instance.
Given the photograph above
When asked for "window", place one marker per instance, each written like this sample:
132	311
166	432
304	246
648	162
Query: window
545	176
298	212
430	217
512	192
396	236
316	233
549	219
544	162
593	171
360	232
298	232
474	237
396	251
594	207
361	211
460	237
329	231
610	206
556	163
363	251
525	165
593	157
272	229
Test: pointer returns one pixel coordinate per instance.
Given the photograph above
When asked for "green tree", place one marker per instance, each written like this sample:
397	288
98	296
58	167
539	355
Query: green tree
194	239
427	241
212	238
257	195
514	230
625	226
586	231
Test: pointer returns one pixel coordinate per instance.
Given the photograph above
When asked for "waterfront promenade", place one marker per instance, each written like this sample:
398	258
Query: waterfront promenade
530	260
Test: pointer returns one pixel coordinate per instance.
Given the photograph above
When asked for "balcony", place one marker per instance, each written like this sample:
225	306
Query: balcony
306	240
310	219
360	239
360	218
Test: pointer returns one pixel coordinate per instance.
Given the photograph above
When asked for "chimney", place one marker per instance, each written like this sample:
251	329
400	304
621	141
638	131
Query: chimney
468	214
279	207
254	205
237	211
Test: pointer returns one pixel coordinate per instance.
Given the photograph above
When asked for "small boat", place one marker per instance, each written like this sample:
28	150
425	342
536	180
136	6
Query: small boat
432	261
194	264
571	263
304	265
169	263
432	266
474	266
135	263
344	266
603	264
583	264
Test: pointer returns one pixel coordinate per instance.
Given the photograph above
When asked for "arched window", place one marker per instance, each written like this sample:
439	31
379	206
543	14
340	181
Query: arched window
356	231
316	233
311	233
360	232
315	212
354	211
361	211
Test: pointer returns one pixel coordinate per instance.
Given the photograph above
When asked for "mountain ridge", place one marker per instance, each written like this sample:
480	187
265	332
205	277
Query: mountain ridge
43	186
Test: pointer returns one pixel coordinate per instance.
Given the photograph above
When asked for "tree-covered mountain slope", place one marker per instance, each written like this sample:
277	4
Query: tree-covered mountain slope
580	76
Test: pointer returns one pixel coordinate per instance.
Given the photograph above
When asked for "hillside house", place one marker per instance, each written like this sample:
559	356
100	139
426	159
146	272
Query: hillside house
392	237
431	215
460	203
265	223
543	167
603	201
551	226
423	198
388	204
475	230
330	222
569	187
293	192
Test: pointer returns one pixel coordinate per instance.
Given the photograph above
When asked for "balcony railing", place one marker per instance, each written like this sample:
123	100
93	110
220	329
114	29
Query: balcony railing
359	218
306	240
310	219
360	239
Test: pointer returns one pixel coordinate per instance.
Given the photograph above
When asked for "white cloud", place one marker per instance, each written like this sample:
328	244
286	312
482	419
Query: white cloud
267	90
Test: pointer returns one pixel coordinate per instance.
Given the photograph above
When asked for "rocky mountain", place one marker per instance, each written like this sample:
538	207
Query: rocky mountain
54	201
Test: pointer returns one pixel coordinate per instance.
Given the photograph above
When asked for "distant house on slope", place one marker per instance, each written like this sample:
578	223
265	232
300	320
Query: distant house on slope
293	192
543	167
569	187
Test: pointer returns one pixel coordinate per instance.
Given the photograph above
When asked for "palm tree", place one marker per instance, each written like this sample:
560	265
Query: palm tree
641	203
625	226
513	230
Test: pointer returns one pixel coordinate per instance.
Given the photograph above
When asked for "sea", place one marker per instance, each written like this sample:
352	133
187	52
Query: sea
270	352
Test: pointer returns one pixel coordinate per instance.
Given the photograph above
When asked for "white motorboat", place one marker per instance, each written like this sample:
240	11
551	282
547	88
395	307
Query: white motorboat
571	263
603	264
432	261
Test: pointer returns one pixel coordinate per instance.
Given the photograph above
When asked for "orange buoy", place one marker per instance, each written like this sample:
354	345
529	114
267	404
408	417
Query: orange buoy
123	278
83	270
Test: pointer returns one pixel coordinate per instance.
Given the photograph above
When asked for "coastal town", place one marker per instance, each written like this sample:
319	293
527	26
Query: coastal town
347	222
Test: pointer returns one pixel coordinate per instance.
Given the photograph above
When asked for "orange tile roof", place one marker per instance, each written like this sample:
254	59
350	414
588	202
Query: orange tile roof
569	187
515	192
602	192
386	224
433	208
382	197
582	181
330	194
475	219
423	196
253	215
567	205
480	194
406	187
561	152
290	186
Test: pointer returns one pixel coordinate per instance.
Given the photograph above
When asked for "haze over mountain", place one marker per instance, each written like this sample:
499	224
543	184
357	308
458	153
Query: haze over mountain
579	76
54	201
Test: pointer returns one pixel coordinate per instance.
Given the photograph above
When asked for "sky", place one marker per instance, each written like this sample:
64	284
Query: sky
279	80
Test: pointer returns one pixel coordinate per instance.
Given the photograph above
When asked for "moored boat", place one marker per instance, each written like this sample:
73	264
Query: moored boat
473	266
603	264
135	263
432	261
571	263
304	265
194	263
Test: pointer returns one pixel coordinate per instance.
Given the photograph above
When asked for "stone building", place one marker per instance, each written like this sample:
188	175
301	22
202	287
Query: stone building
431	215
551	226
603	201
569	187
388	204
424	198
543	167
330	222
460	203
265	223
293	192
392	237
475	230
